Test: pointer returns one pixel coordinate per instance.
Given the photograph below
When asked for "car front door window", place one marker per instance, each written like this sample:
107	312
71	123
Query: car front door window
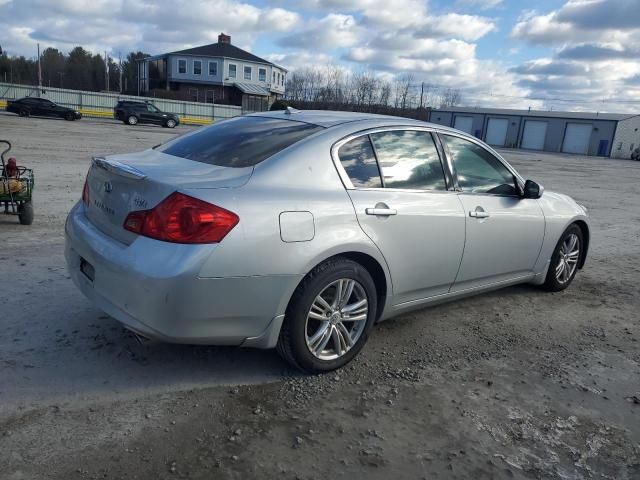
478	170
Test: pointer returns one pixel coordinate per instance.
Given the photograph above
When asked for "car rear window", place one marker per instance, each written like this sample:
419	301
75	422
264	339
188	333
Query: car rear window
239	142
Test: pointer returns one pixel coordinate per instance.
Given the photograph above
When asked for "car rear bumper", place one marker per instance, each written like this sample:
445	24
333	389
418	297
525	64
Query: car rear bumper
154	289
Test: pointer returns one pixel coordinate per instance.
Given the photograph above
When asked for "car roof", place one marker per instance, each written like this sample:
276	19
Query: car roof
331	118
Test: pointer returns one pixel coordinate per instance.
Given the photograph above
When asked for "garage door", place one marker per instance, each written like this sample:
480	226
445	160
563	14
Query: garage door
464	123
576	138
497	131
534	134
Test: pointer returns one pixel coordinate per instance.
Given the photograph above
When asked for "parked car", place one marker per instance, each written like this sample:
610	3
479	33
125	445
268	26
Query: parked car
300	230
41	107
132	113
635	155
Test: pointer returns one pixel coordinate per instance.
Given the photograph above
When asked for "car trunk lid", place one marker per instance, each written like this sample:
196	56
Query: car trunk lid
120	184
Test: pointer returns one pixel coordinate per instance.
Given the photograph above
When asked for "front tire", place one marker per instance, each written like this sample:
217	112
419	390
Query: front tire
329	317
170	123
69	117
132	120
565	260
23	112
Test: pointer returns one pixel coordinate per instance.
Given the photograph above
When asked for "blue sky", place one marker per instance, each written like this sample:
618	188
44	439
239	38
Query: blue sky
560	54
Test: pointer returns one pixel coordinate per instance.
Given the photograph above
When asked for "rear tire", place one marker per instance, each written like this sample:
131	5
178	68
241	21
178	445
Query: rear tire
25	214
302	342
565	260
132	120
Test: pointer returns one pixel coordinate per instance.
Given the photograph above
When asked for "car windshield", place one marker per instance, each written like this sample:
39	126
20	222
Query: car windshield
152	108
239	142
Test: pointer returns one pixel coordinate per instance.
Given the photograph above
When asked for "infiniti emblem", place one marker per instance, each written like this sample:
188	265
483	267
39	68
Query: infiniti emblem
108	187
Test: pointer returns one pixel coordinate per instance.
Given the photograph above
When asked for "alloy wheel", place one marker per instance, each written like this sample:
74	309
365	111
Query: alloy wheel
568	257
336	319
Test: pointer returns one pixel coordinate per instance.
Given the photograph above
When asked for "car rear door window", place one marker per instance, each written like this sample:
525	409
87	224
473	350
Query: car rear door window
359	161
409	160
239	142
477	169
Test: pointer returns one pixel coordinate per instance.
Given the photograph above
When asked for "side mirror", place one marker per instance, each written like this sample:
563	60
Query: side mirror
532	190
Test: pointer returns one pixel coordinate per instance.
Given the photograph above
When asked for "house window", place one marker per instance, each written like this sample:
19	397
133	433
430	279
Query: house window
282	80
278	77
274	77
197	67
247	73
232	70
262	75
182	66
213	69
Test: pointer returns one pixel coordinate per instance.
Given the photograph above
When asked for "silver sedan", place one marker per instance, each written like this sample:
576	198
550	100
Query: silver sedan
301	230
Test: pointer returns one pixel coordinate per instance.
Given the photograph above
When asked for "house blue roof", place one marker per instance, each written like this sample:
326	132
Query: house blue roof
221	49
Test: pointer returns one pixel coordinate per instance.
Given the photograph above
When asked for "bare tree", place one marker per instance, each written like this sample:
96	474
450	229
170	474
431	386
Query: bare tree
450	97
403	88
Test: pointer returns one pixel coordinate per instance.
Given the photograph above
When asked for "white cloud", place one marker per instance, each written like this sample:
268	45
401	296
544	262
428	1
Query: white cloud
596	51
465	27
481	4
330	32
151	26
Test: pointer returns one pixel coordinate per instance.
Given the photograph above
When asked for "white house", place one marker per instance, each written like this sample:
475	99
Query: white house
219	72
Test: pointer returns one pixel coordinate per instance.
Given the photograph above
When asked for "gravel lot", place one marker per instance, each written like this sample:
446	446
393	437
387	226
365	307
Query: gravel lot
518	383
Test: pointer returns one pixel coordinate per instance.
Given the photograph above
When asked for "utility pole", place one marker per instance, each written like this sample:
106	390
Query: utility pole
120	63
421	94
39	72
106	71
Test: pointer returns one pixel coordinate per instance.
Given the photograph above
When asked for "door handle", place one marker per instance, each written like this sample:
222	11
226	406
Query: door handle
383	212
479	213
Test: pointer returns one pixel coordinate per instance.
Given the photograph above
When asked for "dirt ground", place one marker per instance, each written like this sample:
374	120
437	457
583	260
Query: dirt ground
518	383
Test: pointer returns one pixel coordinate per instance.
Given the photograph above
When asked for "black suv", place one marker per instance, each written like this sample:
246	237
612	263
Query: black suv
41	106
133	112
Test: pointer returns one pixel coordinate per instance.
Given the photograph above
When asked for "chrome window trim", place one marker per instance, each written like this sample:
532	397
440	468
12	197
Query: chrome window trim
519	179
346	181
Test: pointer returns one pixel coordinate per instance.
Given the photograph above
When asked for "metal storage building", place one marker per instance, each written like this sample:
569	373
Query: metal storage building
566	132
627	137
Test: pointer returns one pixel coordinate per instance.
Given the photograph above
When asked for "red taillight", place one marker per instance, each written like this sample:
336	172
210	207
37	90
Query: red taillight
85	191
182	219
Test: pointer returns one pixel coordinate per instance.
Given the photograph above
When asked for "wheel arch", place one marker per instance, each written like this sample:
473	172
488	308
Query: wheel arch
585	237
380	277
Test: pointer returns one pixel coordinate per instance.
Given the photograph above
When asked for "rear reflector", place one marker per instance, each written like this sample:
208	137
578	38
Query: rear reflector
180	218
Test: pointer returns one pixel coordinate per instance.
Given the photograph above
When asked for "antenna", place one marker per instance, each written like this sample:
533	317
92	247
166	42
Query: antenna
291	110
